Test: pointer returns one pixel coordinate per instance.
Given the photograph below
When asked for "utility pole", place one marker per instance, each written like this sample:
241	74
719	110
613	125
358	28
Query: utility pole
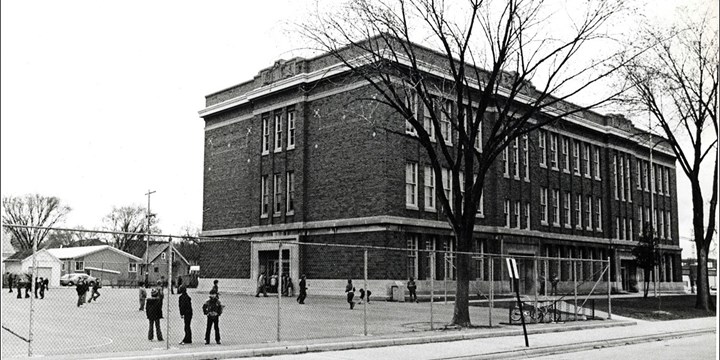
147	237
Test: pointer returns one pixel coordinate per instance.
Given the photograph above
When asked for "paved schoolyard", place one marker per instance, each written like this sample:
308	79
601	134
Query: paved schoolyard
114	324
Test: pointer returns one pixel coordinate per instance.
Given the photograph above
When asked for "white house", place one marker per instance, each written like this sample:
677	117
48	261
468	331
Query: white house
48	265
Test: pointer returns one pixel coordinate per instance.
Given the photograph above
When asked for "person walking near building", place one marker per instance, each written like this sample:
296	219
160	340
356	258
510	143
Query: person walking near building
302	286
95	293
186	313
213	309
350	291
20	286
153	310
261	285
215	288
10	278
411	286
142	295
81	288
42	288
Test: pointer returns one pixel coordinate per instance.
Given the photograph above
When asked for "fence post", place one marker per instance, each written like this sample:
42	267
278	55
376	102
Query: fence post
169	258
574	268
492	291
535	285
33	281
609	291
279	288
432	286
367	294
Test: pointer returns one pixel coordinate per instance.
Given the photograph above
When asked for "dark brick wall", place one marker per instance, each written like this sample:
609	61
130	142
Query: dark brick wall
225	259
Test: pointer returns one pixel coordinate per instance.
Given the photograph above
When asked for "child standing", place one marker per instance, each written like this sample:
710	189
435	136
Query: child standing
411	289
350	291
153	310
143	295
186	313
213	309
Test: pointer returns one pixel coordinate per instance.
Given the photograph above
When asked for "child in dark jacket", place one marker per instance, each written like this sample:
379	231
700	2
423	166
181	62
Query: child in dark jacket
153	309
213	309
186	313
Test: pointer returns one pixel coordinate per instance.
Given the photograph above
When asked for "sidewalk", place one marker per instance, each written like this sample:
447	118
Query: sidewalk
495	343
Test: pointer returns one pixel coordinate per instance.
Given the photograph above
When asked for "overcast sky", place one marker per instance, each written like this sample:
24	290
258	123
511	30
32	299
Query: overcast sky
100	98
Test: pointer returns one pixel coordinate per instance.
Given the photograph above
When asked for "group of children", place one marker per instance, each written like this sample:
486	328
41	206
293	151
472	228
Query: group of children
350	291
212	308
82	287
24	281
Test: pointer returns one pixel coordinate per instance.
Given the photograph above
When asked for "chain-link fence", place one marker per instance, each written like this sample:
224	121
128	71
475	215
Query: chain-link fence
101	299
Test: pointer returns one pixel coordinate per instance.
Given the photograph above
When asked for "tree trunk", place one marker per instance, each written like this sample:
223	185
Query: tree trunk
702	299
461	314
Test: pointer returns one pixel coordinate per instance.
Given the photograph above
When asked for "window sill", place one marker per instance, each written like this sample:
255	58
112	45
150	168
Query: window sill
587	176
568	226
264	216
290	213
433	210
275	215
482	216
566	171
543	166
290	147
598	178
527	179
556	224
544	223
516	178
554	168
266	152
576	173
411	207
278	150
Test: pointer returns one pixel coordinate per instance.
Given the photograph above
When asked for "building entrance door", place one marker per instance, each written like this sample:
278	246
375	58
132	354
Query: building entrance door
628	274
269	262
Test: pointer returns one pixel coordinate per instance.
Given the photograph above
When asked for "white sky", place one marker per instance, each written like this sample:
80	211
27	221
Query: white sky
100	98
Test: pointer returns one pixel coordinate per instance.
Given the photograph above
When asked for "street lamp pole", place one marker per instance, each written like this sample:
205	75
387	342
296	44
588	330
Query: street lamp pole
147	236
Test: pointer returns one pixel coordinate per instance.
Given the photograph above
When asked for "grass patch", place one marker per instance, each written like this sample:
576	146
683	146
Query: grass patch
657	309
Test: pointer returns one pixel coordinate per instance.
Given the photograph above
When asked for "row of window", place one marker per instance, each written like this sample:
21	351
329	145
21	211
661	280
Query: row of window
277	194
515	148
556	158
281	120
430	203
446	111
413	255
658	178
80	266
582	211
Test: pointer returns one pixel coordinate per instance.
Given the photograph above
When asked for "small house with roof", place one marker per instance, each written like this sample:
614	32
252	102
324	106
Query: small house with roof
105	262
48	265
157	254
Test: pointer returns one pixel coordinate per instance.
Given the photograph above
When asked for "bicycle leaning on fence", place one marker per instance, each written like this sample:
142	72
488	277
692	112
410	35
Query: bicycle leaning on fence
543	313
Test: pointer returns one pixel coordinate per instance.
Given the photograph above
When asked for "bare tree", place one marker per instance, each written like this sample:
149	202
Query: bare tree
79	236
32	210
677	82
131	221
486	53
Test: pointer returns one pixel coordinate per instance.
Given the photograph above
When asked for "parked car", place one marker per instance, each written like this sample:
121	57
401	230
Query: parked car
72	279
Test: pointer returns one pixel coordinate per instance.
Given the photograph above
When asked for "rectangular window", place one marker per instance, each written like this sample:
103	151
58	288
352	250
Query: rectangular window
79	266
566	154
447	184
506	213
630	229
667	182
596	163
428	123
668	228
517	214
264	195
412	255
516	159
566	209
527	216
543	149
556	207
646	183
661	189
429	189
278	131
291	129
480	210
622	229
411	103
647	217
445	125
290	194
621	178
132	267
598	214
505	163
277	195
544	206
617	227
576	157
554	151
586	160
661	228
615	177
266	134
637	174
526	157
461	181
628	188
578	211
411	180
588	213
655	222
658	178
